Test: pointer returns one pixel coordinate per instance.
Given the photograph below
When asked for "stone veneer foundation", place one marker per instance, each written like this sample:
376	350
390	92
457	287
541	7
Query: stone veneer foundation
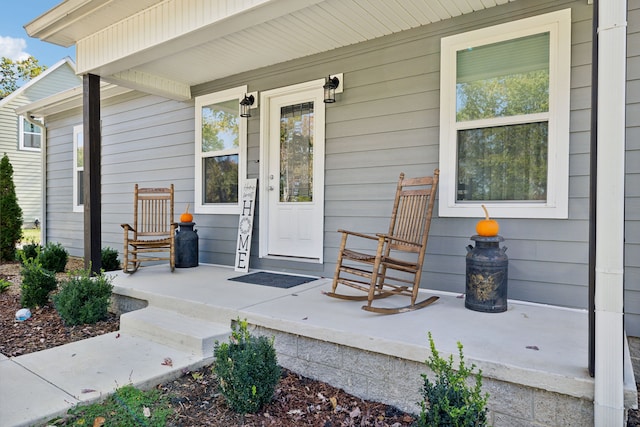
397	382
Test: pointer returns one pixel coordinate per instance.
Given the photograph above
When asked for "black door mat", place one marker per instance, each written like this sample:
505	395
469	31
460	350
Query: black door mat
275	280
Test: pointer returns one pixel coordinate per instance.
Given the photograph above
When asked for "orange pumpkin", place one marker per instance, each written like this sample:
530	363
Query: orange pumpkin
186	216
487	227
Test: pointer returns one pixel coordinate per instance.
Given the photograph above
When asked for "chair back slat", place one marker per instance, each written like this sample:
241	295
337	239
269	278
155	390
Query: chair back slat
412	211
153	211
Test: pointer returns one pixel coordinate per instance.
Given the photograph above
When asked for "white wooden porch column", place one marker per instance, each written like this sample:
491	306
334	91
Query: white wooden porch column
609	330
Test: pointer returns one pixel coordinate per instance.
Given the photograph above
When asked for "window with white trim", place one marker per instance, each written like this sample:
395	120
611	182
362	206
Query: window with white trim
504	119
78	168
30	135
220	152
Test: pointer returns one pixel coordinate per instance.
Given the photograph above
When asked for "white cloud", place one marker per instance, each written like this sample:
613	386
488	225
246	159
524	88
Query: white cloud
13	48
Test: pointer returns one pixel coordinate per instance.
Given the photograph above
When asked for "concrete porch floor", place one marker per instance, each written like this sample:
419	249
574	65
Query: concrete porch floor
537	346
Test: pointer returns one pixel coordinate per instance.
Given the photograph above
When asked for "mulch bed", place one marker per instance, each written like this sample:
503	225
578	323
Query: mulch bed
298	401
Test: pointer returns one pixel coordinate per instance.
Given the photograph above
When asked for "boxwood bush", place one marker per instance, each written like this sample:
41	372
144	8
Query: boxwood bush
83	299
37	283
450	400
109	259
247	369
53	257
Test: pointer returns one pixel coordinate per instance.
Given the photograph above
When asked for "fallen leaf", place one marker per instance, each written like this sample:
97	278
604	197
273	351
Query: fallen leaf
334	402
99	421
167	361
117	336
146	412
533	347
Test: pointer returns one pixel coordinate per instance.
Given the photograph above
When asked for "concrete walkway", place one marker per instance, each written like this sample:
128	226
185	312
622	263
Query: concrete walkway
39	386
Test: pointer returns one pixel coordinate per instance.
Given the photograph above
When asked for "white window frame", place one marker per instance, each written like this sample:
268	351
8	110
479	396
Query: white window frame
222	208
21	133
77	130
558	24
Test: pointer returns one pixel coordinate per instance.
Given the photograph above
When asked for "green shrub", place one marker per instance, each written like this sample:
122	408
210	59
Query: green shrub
37	284
4	285
450	401
83	299
110	261
247	369
10	212
29	251
54	257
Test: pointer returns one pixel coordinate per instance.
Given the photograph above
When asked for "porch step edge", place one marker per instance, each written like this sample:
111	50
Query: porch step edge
174	329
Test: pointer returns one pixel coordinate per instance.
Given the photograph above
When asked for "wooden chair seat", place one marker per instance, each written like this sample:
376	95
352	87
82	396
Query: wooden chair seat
393	265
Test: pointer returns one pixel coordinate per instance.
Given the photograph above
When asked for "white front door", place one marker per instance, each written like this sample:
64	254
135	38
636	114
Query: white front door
293	175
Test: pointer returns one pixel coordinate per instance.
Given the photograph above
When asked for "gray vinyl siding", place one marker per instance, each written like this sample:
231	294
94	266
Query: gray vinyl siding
27	165
632	181
385	122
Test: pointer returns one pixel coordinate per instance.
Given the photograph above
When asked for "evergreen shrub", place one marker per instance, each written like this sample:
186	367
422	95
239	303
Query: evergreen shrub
247	369
449	400
54	257
109	258
83	299
10	212
37	283
29	251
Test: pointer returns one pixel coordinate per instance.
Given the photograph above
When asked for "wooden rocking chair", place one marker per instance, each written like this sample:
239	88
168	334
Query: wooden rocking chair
400	252
153	228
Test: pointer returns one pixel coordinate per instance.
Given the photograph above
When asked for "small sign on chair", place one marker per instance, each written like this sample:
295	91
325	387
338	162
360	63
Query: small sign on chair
245	224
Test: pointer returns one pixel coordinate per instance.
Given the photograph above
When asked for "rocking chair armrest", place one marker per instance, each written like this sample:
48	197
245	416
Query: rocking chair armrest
397	239
355	233
127	227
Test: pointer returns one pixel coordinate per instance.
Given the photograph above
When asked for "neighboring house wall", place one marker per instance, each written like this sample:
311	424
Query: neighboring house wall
27	165
385	122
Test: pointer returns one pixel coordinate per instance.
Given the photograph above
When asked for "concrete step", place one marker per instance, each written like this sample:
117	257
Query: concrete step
175	330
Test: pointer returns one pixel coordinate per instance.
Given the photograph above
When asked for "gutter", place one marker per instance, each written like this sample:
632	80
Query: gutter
43	177
609	257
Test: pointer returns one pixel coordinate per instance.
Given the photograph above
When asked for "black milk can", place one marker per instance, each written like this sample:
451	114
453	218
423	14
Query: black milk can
487	270
186	245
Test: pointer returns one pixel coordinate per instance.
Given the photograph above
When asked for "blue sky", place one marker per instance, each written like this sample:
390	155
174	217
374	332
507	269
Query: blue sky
14	41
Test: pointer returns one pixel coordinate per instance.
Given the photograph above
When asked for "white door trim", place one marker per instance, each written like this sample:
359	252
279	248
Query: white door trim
265	101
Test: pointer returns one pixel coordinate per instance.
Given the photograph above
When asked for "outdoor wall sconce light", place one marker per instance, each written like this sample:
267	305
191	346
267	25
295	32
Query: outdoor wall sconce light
330	86
246	104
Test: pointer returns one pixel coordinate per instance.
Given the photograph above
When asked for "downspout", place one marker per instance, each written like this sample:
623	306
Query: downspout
593	194
609	271
43	176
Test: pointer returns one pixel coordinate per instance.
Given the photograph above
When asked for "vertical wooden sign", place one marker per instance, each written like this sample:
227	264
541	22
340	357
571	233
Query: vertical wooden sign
245	224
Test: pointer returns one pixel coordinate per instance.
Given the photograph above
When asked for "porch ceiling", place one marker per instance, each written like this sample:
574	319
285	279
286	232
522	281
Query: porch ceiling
167	46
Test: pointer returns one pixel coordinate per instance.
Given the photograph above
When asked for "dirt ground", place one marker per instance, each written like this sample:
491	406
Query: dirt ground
298	401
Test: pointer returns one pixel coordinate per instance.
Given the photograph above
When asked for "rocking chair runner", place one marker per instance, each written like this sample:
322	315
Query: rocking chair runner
153	229
400	252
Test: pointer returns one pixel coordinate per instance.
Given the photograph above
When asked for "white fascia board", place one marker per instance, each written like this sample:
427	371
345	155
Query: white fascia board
152	84
67	100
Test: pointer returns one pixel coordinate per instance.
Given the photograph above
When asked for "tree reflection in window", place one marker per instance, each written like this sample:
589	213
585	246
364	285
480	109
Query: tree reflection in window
502	112
220	150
